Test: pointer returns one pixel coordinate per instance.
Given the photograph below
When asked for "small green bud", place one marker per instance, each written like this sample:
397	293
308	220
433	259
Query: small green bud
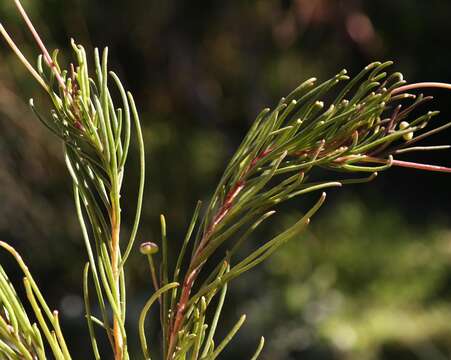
148	248
404	125
408	136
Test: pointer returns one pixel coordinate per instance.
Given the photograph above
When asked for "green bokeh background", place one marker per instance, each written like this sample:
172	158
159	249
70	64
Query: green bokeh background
371	279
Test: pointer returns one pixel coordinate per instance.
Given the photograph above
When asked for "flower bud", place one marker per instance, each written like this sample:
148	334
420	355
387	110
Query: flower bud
404	125
148	248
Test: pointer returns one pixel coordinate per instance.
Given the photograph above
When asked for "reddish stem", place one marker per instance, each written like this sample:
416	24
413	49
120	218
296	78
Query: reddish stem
409	164
420	85
40	43
190	278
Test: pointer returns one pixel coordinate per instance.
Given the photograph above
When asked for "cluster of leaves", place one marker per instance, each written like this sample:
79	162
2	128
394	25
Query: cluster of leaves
274	163
359	131
19	337
96	136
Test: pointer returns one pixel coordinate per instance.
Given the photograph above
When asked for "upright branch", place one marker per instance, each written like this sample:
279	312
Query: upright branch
96	135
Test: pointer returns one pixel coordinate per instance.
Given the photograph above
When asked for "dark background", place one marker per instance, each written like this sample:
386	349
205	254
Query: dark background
372	277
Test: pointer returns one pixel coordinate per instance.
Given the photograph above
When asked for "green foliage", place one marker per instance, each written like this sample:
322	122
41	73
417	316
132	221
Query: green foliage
20	338
274	164
357	131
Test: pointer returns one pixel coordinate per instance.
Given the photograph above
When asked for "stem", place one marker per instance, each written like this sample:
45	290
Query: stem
118	340
409	164
153	273
142	317
45	53
22	58
181	308
194	269
421	85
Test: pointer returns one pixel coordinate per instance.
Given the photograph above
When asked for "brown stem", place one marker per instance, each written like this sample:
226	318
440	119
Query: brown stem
192	273
190	278
181	308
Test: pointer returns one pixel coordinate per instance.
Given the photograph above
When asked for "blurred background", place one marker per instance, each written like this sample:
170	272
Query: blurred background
371	279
